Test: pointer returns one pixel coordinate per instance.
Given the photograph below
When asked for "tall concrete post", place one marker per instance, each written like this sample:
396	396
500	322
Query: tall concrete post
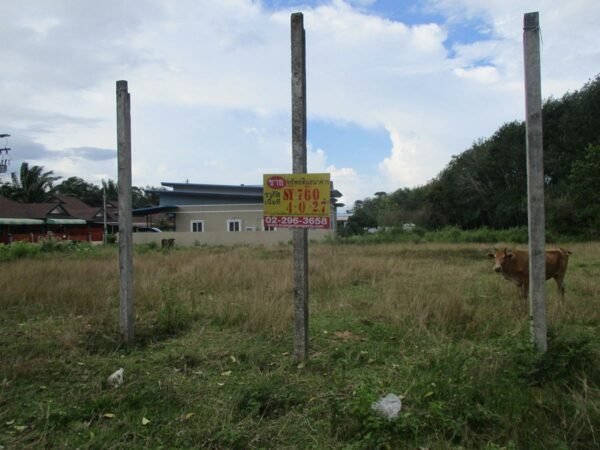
535	181
125	212
300	236
105	233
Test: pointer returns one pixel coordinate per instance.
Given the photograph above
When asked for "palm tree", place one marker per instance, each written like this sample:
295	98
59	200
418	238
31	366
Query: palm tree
33	184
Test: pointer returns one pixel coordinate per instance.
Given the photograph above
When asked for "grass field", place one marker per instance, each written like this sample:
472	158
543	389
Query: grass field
213	367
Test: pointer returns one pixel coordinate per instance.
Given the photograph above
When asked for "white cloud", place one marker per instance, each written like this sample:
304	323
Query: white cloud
406	154
481	74
210	82
352	185
346	180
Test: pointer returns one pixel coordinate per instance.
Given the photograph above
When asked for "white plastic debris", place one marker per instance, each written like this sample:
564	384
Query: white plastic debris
388	406
116	379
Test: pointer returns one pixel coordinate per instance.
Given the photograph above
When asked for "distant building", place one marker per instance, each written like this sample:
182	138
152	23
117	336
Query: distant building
208	211
65	217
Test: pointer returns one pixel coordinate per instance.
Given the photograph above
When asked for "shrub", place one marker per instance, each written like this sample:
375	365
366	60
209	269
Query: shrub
23	249
50	245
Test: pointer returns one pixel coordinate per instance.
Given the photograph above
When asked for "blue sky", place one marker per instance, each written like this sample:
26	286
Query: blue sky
395	88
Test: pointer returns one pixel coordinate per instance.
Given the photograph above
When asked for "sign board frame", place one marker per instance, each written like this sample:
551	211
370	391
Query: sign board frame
297	200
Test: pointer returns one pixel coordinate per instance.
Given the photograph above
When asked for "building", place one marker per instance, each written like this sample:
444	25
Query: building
66	218
220	214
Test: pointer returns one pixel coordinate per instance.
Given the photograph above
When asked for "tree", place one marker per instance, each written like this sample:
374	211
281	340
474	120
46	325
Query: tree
7	190
583	190
86	192
33	185
112	190
363	217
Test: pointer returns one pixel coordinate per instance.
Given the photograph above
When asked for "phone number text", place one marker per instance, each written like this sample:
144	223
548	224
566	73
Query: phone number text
297	222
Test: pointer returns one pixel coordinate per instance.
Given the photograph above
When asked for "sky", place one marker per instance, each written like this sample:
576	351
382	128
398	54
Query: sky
394	88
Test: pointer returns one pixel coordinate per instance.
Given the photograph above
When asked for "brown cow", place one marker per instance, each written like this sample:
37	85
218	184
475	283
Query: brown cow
514	266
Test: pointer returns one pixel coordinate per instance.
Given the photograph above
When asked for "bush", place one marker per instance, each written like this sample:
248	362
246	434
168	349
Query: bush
50	245
18	250
45	246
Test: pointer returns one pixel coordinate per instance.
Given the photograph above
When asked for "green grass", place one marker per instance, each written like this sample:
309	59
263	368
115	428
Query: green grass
212	366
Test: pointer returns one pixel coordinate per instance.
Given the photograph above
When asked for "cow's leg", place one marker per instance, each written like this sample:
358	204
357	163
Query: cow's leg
560	283
522	290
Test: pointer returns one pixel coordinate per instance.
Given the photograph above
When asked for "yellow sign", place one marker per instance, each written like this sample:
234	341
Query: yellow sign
297	200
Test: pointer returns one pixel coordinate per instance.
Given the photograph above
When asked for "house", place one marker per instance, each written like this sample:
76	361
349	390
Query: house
65	217
15	221
220	214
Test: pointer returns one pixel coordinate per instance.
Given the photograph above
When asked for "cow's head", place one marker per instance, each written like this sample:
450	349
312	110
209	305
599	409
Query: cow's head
500	257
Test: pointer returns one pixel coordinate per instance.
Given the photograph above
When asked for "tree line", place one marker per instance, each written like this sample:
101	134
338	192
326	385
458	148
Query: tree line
34	185
486	185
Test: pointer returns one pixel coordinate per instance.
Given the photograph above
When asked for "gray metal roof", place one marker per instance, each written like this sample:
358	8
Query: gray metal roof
220	190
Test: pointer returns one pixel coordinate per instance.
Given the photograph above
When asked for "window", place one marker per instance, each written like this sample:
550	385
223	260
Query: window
234	224
196	226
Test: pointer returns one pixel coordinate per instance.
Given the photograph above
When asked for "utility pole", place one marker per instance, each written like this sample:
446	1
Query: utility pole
535	181
300	235
105	236
126	316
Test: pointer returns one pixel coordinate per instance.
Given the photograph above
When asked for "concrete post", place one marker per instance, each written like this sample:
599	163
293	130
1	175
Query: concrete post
105	234
535	181
300	236
125	212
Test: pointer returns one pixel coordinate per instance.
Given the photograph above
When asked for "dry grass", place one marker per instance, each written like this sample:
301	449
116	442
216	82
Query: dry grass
445	288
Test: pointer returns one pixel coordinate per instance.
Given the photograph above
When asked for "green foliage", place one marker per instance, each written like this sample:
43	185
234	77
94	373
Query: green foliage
86	192
44	248
50	244
363	217
571	357
32	185
18	250
584	189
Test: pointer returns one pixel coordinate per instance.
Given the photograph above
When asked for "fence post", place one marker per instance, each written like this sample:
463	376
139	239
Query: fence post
125	206
300	235
535	181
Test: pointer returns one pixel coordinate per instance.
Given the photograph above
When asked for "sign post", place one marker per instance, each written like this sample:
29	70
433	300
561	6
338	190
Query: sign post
300	236
299	201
